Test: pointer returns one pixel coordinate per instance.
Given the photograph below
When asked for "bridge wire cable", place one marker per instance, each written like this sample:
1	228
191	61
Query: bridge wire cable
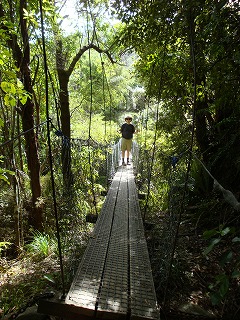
147	115
23	133
182	203
52	84
104	97
109	168
50	152
90	120
155	131
145	138
103	76
110	99
105	118
105	81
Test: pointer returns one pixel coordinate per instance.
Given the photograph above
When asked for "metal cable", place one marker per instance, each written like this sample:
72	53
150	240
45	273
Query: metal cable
50	153
90	122
155	132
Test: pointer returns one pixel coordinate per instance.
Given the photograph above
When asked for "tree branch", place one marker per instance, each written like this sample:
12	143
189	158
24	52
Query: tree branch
82	51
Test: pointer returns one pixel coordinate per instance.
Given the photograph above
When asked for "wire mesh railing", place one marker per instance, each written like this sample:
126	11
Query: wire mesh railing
114	158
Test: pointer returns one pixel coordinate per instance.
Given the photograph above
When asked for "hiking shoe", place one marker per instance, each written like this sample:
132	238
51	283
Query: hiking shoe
124	164
128	163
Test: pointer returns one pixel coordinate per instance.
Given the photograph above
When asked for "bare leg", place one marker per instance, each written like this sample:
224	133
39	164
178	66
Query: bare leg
123	154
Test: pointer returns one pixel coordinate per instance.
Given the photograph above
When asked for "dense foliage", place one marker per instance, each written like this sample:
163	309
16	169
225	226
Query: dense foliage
189	62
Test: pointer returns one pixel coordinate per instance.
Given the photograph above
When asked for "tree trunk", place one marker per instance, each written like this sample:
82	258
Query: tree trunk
201	128
65	127
197	55
63	78
64	103
64	74
22	61
35	216
16	185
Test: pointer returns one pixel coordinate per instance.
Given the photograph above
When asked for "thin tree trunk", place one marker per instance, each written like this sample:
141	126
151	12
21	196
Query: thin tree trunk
201	127
17	210
65	123
35	216
15	184
200	105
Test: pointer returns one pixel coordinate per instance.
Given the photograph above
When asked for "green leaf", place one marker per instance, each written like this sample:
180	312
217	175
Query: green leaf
8	87
9	100
224	286
23	99
226	257
25	12
4	245
4	178
215	298
213	242
222	3
225	231
210	233
235	274
3	173
236	239
49	278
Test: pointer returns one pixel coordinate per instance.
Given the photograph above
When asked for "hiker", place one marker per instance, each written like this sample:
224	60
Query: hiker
127	130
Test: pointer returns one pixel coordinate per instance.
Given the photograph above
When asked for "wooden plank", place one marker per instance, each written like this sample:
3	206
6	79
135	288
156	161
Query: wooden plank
114	291
143	296
85	287
114	278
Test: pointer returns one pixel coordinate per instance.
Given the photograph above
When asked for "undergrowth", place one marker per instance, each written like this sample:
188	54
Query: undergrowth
36	271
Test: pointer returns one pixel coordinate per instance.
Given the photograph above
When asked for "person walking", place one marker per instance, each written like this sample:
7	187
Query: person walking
127	130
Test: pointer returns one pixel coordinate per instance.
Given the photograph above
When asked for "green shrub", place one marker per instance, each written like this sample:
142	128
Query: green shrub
42	244
4	245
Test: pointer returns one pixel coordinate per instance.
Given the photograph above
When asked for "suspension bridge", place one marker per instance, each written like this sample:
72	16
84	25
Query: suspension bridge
114	278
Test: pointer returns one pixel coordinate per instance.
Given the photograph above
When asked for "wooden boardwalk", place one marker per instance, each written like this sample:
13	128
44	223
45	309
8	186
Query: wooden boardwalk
114	278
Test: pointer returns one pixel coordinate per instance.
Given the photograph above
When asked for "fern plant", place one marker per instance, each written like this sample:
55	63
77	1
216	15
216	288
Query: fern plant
42	244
